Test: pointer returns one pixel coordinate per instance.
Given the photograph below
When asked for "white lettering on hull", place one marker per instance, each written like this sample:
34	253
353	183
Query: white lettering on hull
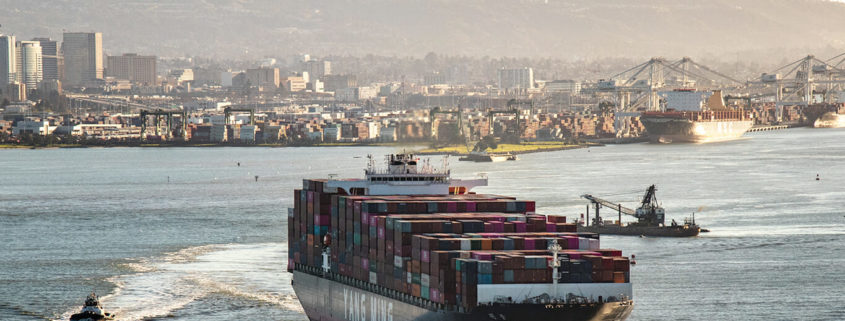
355	307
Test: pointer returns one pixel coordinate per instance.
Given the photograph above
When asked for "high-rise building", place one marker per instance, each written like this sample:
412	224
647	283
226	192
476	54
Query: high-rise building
132	67
83	53
29	64
51	59
521	79
8	61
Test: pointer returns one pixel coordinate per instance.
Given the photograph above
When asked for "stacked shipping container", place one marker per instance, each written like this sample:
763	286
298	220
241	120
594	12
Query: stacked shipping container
440	247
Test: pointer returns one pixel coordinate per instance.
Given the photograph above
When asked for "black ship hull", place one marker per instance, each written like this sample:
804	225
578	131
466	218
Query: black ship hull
667	231
670	130
325	299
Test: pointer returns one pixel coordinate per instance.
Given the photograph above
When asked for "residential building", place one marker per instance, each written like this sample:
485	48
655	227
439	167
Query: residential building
137	69
83	57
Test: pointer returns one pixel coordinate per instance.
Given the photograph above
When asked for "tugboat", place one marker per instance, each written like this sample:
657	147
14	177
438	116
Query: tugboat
92	311
650	219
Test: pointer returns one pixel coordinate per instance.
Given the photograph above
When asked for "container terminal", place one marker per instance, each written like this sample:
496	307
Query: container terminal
409	242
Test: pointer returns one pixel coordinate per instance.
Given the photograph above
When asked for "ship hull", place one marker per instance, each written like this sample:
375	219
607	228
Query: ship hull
673	130
678	231
830	120
324	299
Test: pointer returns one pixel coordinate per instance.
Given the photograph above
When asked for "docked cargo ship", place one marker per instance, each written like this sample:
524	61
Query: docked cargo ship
830	120
692	118
411	243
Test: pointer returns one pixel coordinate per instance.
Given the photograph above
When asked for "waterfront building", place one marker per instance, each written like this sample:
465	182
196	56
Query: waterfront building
137	69
83	57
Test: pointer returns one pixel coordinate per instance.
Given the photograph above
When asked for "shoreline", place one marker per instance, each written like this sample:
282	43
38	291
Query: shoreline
511	150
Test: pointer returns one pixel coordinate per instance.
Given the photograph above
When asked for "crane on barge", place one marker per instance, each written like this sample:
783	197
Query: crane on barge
650	218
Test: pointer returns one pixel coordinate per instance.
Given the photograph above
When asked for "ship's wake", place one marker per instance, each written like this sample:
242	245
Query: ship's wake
160	287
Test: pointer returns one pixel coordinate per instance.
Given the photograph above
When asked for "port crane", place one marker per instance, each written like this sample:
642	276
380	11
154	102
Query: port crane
492	113
650	213
229	110
797	82
432	115
168	114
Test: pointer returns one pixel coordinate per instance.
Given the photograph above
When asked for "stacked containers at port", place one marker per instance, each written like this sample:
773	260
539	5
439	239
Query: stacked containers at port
411	244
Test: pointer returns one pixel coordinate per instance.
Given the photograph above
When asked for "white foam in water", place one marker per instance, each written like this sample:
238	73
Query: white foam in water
160	286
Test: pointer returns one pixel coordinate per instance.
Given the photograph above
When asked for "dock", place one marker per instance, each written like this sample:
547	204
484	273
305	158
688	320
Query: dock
767	128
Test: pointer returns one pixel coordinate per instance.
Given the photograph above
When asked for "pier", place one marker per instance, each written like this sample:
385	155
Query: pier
767	128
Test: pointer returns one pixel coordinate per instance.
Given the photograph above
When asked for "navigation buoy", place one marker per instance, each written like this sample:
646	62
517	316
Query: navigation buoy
633	259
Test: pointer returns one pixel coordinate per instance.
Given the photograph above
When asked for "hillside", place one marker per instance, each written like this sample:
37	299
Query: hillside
562	29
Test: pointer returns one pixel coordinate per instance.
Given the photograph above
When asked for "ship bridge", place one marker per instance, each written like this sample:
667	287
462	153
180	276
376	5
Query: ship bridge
405	175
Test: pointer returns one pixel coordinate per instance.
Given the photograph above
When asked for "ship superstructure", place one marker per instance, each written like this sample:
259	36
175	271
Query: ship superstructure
409	242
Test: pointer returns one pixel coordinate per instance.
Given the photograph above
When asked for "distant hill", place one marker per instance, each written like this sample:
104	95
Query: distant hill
524	28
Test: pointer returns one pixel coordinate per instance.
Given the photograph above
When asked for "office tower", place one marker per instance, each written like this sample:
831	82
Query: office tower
132	67
29	64
83	53
8	61
51	60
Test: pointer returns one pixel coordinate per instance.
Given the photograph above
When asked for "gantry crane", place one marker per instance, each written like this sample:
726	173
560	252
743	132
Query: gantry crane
229	110
168	114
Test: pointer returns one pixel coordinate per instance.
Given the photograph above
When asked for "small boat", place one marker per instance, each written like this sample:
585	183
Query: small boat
92	311
488	157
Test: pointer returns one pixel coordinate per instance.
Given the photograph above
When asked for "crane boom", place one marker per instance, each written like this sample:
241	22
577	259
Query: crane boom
609	204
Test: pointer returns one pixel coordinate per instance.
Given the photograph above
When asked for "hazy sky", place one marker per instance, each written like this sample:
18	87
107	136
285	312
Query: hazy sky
572	29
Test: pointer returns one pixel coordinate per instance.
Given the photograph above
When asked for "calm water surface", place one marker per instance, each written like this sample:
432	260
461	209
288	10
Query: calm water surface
186	234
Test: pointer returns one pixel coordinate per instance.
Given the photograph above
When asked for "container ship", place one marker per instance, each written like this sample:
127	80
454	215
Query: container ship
695	117
408	242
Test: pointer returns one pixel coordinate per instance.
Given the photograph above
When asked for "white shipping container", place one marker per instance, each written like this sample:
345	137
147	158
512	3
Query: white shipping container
594	244
583	243
373	277
425	279
466	245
